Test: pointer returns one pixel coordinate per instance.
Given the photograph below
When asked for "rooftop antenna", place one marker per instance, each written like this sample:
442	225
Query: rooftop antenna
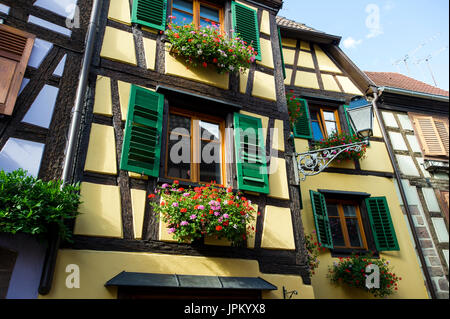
427	60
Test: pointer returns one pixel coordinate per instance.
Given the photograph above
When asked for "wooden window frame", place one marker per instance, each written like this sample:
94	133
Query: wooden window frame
195	146
342	219
322	124
196	12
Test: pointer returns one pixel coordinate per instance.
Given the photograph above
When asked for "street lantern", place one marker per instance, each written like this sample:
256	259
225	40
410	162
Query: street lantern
361	120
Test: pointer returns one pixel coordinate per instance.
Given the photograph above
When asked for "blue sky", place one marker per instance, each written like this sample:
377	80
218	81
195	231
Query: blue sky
377	35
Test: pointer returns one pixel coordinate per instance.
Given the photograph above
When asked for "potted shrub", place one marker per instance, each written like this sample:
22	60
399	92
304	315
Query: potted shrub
351	271
32	206
208	46
207	210
338	139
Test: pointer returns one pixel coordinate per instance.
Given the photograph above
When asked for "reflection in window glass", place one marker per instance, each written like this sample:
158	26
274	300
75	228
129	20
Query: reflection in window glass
39	52
209	131
19	153
41	111
65	8
353	232
315	123
336	232
183	12
60	68
48	25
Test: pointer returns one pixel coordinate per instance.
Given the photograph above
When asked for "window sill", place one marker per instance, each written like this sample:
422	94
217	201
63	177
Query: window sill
347	252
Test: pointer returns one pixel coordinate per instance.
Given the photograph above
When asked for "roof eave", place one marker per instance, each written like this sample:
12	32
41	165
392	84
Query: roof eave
422	95
318	37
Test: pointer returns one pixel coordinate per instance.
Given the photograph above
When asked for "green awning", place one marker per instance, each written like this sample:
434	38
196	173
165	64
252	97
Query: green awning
133	279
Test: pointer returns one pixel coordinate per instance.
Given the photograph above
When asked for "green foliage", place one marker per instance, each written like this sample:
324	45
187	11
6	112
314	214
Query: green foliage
338	139
208	210
205	46
312	248
30	206
352	272
294	107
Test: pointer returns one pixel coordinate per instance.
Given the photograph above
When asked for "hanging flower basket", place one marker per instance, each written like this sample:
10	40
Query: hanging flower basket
208	46
339	139
294	107
351	271
208	210
312	249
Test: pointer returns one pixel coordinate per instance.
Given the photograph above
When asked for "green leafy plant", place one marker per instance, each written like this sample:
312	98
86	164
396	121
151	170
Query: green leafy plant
312	248
207	45
351	271
29	205
208	210
338	139
294	109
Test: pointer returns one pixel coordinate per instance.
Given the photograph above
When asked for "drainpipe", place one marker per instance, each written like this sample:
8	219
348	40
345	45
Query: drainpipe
54	238
403	196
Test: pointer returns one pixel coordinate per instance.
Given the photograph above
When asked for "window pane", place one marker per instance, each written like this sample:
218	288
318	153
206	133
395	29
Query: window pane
182	18
19	153
209	131
332	210
329	116
331	128
349	211
336	232
209	13
353	232
179	157
317	133
183	5
211	163
204	23
180	124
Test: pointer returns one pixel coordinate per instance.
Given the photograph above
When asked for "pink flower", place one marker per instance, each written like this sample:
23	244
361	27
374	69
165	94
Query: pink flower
226	216
184	223
171	230
193	217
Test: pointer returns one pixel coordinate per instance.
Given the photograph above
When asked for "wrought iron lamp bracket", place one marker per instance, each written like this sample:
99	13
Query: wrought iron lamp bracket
289	294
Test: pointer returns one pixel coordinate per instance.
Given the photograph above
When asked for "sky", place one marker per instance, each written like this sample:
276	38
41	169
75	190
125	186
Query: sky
379	36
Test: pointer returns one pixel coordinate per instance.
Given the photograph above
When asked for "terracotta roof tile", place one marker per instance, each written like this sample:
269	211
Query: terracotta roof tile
282	21
400	81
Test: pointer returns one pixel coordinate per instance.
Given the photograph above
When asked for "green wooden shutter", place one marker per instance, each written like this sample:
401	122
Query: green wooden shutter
323	228
245	24
150	13
381	223
281	52
141	151
250	154
302	127
350	129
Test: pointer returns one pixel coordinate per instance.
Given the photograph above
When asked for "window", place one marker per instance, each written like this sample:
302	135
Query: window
432	133
202	13
346	224
195	147
324	122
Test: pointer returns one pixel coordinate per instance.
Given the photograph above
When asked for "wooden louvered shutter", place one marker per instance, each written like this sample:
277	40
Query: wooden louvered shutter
150	13
381	224
141	152
15	50
302	127
428	134
281	53
323	229
442	128
245	24
251	164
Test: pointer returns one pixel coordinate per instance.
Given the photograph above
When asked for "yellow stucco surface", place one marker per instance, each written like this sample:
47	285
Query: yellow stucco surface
404	262
278	183
101	154
265	23
97	267
266	53
304	45
278	139
287	80
124	97
348	85
289	56
278	232
138	205
325	63
264	86
243	80
119	11
305	60
150	53
329	83
289	42
103	101
118	46
177	67
100	211
376	127
377	158
306	80
264	120
301	145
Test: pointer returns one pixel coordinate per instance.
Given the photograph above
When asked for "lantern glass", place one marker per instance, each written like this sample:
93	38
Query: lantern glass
361	120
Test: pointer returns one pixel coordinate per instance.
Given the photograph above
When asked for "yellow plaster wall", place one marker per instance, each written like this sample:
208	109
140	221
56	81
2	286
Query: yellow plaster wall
97	267
306	80
329	83
288	79
124	97
404	261
138	205
101	154
177	67
376	127
304	45
305	60
348	85
243	80
264	86
289	56
119	11
377	158
278	139
278	232
266	53
278	183
325	63
289	42
265	22
150	53
100	211
103	101
118	46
